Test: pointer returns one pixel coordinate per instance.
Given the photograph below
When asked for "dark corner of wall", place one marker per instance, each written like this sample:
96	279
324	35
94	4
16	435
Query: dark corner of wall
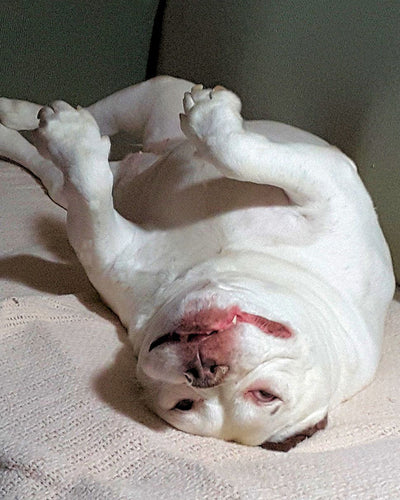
151	69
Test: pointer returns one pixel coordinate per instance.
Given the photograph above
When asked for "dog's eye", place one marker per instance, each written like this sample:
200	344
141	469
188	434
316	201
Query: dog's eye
184	405
261	396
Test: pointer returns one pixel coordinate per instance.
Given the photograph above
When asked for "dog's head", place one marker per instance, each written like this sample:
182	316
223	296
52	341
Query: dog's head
237	366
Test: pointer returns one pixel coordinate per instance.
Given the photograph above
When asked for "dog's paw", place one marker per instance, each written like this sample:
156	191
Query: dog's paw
70	137
210	114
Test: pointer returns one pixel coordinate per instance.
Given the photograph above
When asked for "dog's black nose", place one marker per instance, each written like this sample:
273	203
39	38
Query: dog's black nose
205	373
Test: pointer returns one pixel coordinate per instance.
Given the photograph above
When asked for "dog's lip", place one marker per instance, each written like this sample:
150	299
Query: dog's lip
177	336
198	325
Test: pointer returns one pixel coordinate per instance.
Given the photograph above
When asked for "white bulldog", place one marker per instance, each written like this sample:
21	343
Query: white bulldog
253	277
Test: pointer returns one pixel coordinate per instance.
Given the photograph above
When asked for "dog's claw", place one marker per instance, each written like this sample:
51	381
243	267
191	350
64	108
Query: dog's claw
59	106
188	102
44	114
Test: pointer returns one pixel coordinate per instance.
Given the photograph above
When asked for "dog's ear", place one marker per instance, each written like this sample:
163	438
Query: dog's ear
292	441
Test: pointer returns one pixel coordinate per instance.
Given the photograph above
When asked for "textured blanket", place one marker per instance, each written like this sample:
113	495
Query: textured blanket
72	423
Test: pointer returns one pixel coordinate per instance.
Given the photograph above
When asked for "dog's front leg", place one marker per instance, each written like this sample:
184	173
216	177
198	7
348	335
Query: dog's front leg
98	234
308	173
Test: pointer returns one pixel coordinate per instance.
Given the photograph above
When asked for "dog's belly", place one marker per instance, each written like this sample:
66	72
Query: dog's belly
197	214
181	190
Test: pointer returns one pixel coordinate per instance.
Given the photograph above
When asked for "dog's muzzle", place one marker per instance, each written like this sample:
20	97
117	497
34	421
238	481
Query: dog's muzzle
199	371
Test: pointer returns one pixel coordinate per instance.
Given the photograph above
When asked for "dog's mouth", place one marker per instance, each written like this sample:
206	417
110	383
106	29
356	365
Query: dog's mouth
176	337
198	326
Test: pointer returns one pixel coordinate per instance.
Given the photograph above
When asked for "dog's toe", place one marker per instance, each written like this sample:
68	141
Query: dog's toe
59	106
45	114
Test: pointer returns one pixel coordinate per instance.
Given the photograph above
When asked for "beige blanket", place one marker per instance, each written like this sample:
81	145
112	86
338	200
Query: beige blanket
72	424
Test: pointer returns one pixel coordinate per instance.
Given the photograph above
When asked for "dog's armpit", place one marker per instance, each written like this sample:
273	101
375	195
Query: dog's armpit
292	441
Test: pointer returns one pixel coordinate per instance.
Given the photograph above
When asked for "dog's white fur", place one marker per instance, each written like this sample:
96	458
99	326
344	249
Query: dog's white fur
256	215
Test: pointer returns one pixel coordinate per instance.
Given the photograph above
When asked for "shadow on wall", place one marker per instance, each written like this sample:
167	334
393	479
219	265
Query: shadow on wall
378	155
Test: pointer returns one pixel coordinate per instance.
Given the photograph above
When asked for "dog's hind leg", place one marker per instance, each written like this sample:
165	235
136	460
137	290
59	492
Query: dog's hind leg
149	111
23	115
19	115
14	147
